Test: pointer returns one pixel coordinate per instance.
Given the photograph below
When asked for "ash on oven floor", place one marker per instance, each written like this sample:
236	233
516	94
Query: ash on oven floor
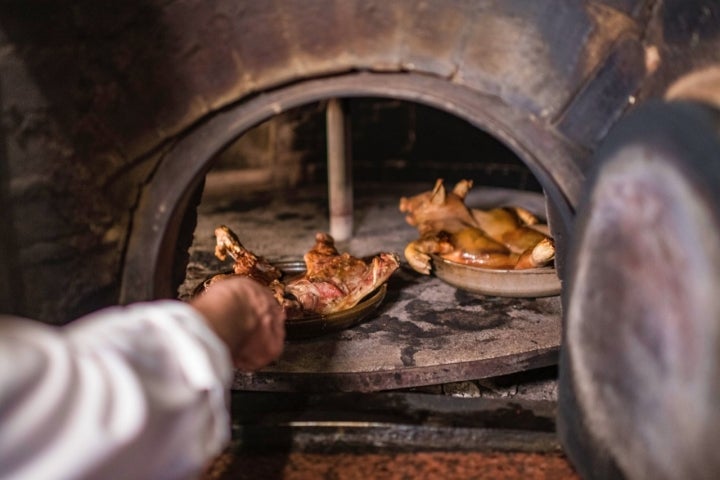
425	335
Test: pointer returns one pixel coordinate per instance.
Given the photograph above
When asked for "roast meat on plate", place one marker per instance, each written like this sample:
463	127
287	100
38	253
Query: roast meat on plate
506	237
332	282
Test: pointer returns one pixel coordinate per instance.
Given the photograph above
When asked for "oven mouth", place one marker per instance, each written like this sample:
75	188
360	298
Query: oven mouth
151	252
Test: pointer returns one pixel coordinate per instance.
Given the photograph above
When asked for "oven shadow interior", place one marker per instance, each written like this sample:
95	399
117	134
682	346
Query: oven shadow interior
270	188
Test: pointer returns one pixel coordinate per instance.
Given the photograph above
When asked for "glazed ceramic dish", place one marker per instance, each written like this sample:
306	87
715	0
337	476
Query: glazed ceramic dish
531	282
534	282
315	324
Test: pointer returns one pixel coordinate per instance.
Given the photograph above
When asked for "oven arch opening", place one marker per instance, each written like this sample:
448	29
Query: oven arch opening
158	220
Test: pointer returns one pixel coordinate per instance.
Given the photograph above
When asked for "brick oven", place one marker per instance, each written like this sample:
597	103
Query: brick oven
130	129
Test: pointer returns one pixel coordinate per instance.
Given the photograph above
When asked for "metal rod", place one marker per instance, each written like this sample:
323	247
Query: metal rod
339	162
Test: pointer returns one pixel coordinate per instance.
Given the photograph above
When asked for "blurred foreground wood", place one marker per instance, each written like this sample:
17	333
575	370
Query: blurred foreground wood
376	466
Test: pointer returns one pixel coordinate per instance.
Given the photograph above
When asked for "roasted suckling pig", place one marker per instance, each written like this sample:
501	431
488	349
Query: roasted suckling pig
332	282
501	238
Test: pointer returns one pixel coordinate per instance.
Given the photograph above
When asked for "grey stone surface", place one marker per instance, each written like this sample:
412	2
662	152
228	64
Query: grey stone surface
424	332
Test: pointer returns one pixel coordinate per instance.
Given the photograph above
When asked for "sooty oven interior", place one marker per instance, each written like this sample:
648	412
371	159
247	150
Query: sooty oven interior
271	187
132	129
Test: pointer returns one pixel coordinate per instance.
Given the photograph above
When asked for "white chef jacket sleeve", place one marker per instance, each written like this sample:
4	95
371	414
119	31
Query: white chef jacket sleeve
128	392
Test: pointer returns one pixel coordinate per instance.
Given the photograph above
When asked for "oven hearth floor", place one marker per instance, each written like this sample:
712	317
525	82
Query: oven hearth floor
425	332
390	435
392	466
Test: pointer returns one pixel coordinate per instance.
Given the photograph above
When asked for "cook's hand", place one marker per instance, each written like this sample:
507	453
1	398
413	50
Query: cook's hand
247	318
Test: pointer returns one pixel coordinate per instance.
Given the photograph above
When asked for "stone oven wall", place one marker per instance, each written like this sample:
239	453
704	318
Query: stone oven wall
92	95
390	140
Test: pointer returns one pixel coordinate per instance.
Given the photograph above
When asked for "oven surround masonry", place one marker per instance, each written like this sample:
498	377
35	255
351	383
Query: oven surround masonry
97	101
110	120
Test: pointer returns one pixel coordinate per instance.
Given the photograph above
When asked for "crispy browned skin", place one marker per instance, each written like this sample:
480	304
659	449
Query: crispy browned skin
332	282
248	264
504	237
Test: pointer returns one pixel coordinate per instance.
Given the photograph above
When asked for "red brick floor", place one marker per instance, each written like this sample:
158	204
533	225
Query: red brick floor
392	466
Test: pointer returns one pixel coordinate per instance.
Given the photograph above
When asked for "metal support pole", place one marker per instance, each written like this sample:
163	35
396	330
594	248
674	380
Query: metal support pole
339	162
